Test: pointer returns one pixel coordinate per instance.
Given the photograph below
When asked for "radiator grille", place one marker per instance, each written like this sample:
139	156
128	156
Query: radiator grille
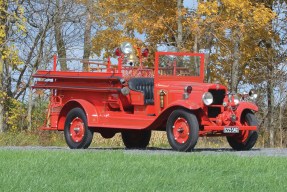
218	97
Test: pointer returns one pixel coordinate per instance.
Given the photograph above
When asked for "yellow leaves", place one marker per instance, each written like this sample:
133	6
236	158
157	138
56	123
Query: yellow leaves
208	8
220	25
249	18
153	19
2	30
3	96
11	54
237	13
246	71
8	51
15	110
108	40
262	15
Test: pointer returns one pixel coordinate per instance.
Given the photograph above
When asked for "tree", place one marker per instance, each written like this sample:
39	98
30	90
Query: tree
61	48
245	44
232	30
87	34
161	22
3	18
11	26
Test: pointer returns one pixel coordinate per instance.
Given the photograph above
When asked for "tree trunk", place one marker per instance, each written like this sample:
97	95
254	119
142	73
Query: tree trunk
179	24
60	43
34	69
195	50
1	98
280	125
207	64
29	110
270	104
3	23
236	59
87	36
207	58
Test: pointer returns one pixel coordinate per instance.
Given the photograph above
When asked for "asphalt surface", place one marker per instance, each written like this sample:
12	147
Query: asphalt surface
204	151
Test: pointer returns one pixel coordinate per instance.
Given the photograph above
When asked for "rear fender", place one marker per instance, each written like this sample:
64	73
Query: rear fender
245	106
89	109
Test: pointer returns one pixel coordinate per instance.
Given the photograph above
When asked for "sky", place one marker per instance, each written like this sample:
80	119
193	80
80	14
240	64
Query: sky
190	3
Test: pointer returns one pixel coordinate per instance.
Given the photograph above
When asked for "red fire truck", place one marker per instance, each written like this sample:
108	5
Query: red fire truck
133	99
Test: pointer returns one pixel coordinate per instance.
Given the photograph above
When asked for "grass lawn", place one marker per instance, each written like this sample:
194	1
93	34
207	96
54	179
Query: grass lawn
119	170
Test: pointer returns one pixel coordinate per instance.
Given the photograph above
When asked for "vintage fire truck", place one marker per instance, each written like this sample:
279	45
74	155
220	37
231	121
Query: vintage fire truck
133	99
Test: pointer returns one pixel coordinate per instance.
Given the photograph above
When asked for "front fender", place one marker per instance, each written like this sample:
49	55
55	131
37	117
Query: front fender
245	105
89	109
186	104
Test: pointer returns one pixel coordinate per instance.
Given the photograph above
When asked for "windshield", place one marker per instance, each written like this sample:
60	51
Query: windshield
179	66
172	65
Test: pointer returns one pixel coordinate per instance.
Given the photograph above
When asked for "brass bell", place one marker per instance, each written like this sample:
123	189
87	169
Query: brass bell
132	58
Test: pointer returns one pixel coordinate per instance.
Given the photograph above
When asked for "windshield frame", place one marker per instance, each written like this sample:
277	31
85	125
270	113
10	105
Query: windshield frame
199	78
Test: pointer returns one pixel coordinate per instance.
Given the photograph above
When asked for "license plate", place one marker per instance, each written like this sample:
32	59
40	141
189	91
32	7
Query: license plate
231	130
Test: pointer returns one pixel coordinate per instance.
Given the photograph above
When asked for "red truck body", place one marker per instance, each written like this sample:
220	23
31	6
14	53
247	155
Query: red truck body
171	97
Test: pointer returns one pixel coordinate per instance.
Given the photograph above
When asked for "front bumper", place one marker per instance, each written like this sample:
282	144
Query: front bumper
221	128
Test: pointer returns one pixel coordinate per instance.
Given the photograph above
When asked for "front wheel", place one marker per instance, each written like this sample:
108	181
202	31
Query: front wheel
182	130
246	139
77	133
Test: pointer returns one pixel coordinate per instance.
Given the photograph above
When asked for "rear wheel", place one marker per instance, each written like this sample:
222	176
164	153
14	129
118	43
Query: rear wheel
182	130
76	131
246	139
136	139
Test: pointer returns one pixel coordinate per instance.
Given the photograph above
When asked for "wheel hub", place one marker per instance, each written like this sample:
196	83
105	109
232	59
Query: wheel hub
77	130
181	130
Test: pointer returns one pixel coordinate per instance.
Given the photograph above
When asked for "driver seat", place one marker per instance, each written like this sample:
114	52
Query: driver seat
145	85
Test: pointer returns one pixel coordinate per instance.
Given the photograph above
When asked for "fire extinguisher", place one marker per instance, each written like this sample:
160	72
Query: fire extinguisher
162	93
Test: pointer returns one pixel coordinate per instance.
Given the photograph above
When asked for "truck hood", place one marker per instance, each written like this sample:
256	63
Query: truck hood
195	86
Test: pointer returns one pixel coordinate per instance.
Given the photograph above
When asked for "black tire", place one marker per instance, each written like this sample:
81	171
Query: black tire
236	141
76	117
182	130
136	139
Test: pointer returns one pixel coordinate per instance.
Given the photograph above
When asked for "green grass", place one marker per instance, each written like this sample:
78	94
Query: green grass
120	170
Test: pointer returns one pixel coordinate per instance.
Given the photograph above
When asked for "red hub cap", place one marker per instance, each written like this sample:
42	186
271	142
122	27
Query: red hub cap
77	130
180	130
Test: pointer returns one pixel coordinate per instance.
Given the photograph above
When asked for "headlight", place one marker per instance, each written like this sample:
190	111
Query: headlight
236	99
207	98
252	94
126	48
